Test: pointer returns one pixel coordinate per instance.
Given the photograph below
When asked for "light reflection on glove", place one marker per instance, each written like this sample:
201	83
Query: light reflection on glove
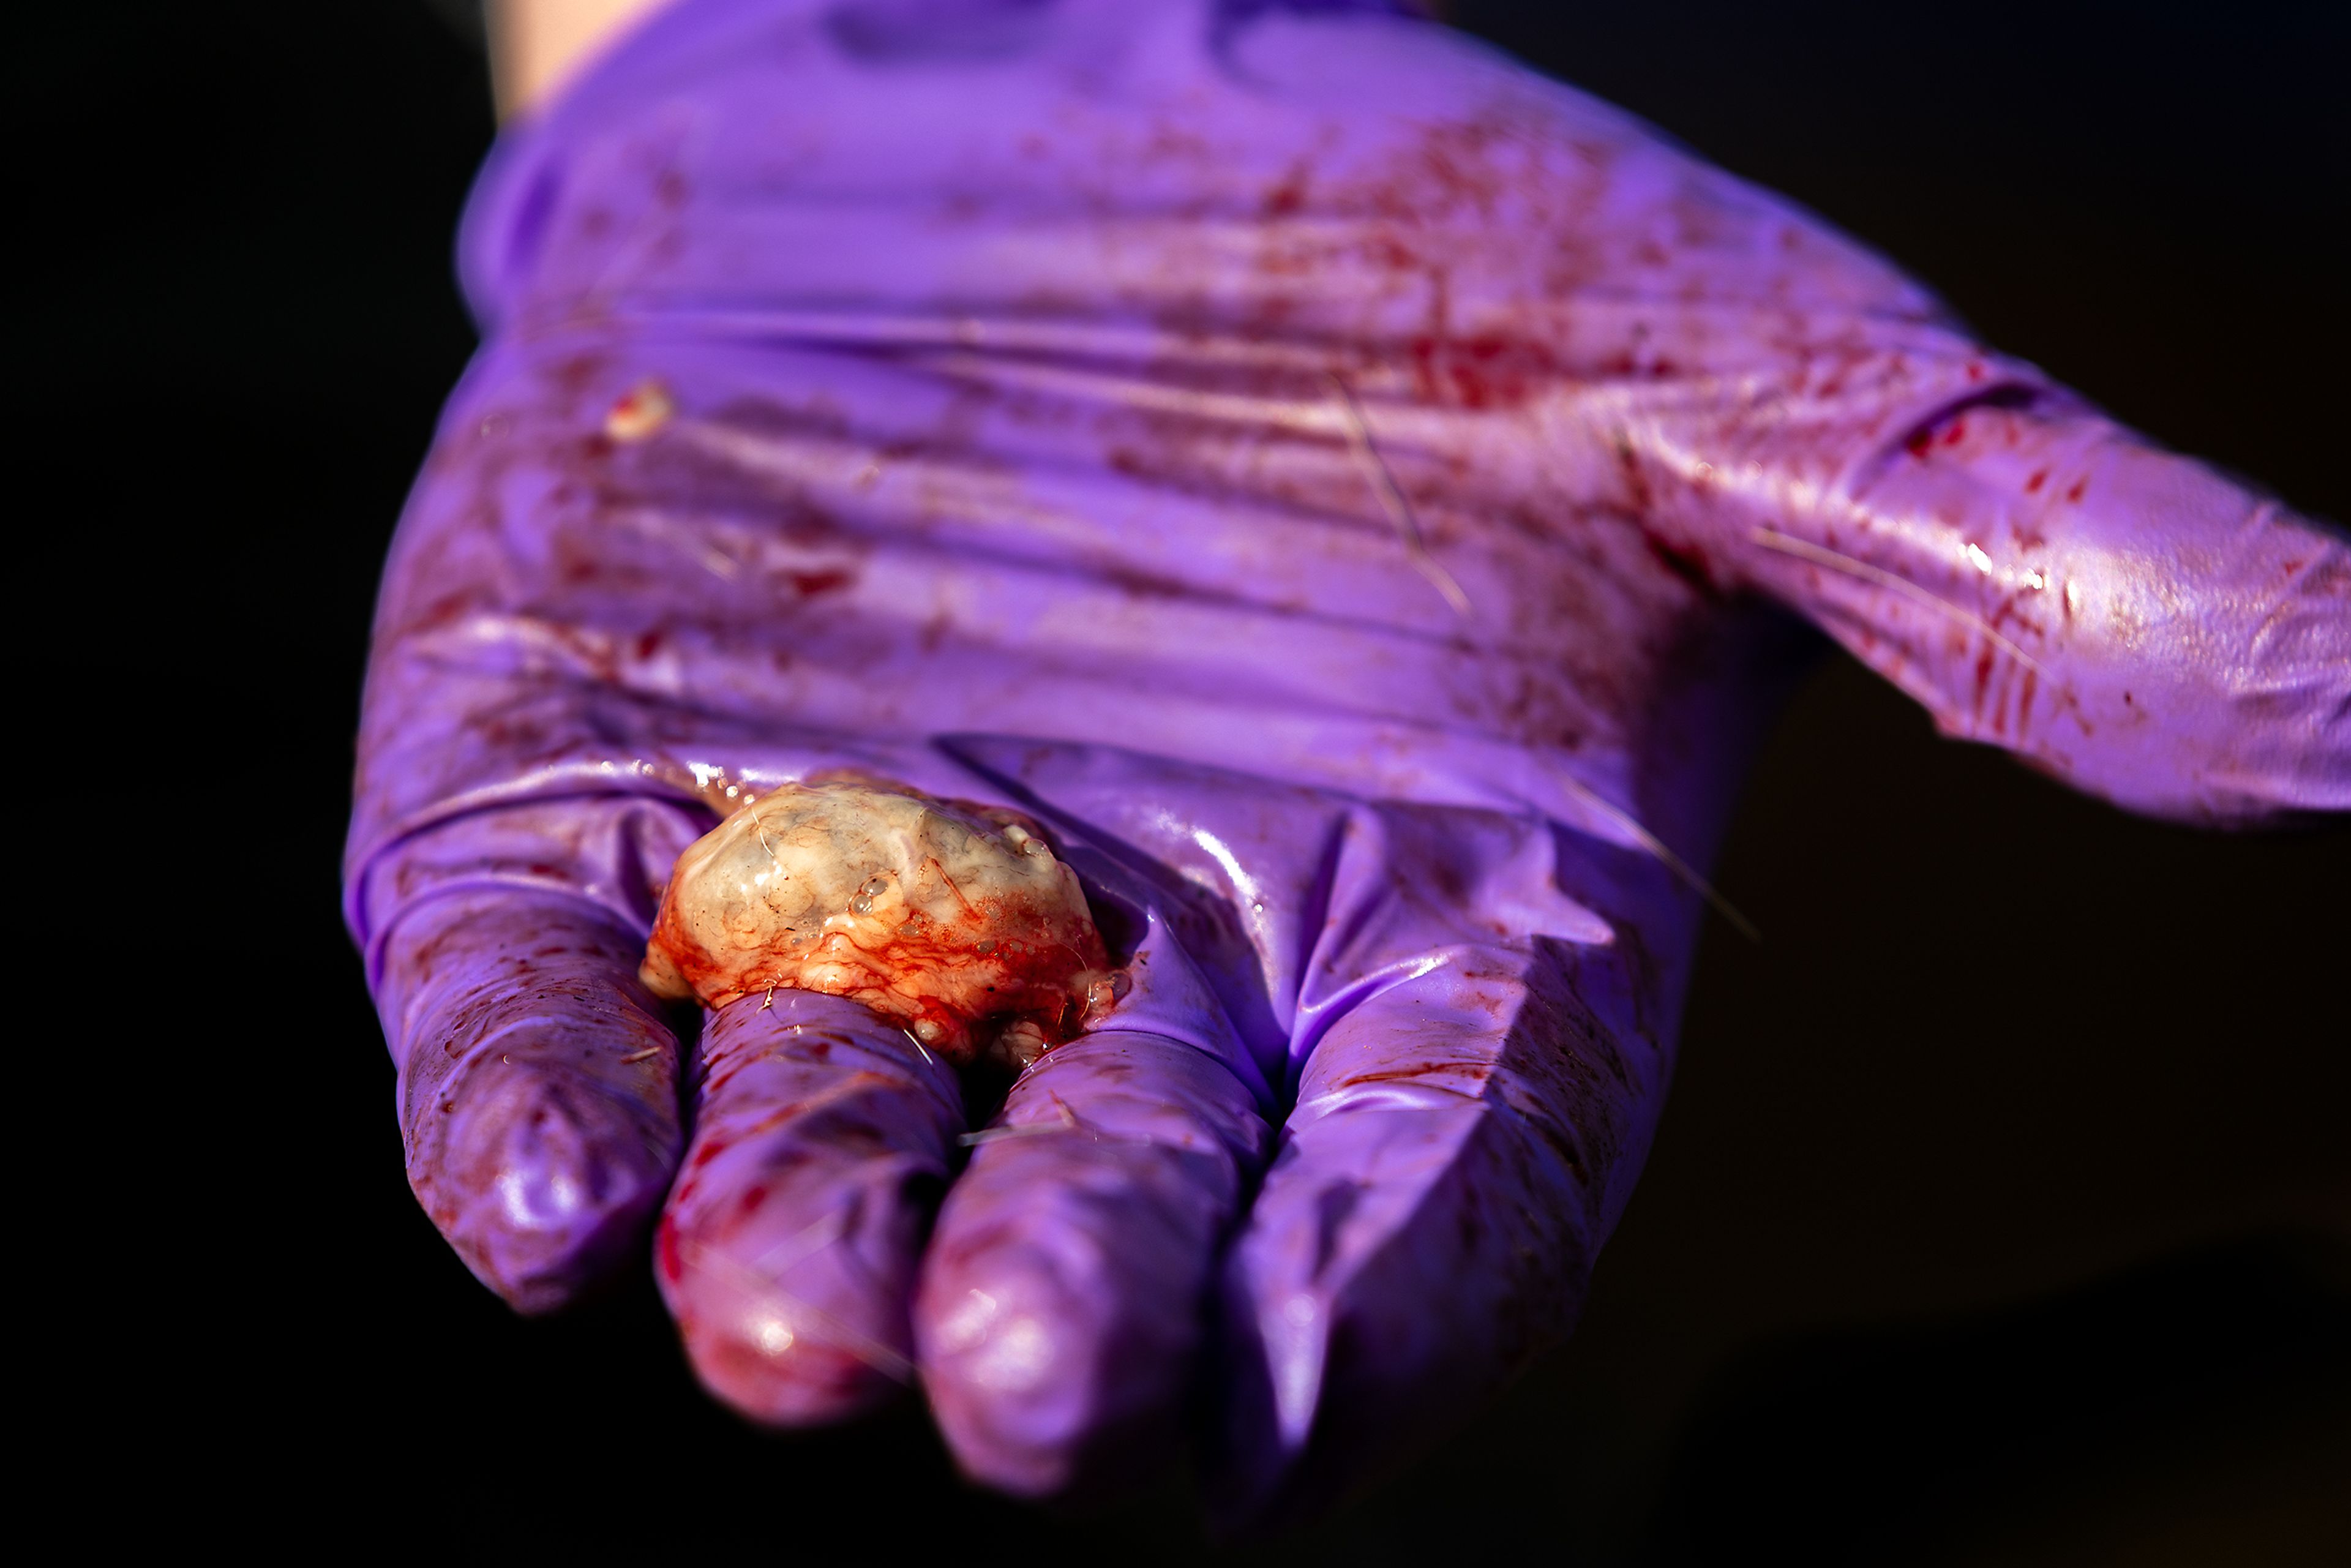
1334	480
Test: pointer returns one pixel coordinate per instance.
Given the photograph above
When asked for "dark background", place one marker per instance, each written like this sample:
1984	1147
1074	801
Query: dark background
2002	1210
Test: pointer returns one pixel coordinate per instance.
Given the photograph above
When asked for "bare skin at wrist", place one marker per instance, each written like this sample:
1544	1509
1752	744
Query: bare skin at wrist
538	46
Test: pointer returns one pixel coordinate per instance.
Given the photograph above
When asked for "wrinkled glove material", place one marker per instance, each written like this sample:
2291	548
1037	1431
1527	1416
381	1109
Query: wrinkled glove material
1356	494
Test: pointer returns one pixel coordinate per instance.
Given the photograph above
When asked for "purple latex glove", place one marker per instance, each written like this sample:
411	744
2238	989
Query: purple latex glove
1338	483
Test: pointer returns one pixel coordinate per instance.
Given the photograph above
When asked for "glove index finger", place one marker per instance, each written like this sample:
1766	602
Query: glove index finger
1466	1129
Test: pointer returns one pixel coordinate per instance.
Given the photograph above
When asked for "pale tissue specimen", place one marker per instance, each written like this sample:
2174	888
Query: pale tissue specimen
955	921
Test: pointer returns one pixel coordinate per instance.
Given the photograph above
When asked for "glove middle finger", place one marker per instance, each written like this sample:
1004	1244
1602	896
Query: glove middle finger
1060	1308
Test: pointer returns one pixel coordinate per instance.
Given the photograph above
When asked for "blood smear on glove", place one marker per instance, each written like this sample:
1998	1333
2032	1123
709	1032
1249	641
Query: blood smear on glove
953	920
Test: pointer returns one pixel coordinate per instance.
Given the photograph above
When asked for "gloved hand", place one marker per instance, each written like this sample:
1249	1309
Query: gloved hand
1340	485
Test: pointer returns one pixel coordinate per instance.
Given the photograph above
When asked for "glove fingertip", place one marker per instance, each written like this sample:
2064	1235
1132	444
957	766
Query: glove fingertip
755	1348
543	1188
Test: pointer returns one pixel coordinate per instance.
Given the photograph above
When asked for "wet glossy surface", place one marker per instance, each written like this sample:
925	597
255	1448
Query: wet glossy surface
954	921
1060	454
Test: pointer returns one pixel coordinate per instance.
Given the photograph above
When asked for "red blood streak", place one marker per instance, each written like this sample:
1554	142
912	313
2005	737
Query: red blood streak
810	584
